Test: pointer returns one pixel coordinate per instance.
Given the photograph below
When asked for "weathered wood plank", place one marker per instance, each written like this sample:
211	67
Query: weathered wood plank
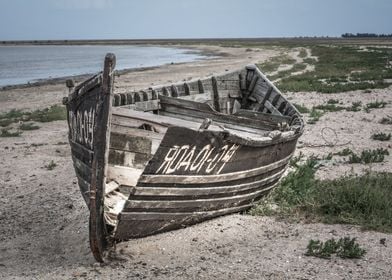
123	175
187	90
194	204
191	179
202	111
215	95
204	191
131	143
128	159
81	152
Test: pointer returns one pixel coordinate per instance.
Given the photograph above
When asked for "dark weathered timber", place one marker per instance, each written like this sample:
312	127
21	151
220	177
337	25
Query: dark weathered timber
201	86
98	230
177	154
215	94
187	90
88	114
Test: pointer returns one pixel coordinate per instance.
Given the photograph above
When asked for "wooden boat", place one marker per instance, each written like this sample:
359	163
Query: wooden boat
170	156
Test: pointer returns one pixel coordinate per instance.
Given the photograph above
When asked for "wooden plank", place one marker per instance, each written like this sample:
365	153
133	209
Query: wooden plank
187	89
123	99
84	187
137	123
191	179
154	216
154	137
144	95
137	97
136	132
128	159
82	153
145	106
194	204
117	100
174	91
200	98
201	86
197	110
273	119
132	225
130	99
111	186
204	191
261	105
142	117
166	92
131	143
154	94
123	175
271	108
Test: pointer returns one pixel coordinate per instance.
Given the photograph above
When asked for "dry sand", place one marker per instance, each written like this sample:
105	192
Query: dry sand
44	220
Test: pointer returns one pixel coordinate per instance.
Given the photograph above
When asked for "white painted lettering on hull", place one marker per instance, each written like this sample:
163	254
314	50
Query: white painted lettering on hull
82	127
186	158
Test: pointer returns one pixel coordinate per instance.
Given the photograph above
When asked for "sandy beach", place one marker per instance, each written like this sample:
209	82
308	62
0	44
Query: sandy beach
44	220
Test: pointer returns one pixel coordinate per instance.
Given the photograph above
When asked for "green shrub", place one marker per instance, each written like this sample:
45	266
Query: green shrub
6	133
381	136
386	120
51	165
301	108
376	105
369	156
345	248
355	107
28	126
315	116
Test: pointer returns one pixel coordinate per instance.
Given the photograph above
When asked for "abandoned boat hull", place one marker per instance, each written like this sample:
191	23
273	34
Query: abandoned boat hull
172	156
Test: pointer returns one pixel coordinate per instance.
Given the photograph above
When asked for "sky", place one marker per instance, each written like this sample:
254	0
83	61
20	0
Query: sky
155	19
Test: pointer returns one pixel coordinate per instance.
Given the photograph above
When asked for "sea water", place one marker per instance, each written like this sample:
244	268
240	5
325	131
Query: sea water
24	64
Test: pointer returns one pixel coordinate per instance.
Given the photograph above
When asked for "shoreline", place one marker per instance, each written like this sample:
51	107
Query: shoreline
204	53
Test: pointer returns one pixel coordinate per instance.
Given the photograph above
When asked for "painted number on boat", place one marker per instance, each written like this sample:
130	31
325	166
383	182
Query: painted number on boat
187	158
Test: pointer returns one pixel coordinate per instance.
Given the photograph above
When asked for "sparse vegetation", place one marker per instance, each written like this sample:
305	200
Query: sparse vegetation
273	63
364	200
28	126
50	114
345	152
51	165
376	105
342	68
381	136
301	108
369	156
302	53
329	107
386	120
333	101
355	107
346	248
7	133
5	122
315	116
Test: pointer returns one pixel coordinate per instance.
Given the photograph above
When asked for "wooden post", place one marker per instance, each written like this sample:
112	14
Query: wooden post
215	94
98	233
200	85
